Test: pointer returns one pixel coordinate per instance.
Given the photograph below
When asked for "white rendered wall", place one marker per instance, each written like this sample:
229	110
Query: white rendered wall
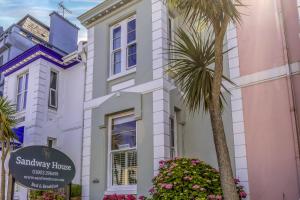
65	124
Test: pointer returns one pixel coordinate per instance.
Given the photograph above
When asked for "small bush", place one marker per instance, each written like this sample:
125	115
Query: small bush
46	195
75	190
188	179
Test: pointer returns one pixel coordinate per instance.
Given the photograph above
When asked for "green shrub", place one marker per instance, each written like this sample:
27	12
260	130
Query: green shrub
184	179
76	190
46	195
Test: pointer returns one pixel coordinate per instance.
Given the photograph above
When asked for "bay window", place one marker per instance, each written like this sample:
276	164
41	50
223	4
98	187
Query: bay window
123	46
22	92
122	151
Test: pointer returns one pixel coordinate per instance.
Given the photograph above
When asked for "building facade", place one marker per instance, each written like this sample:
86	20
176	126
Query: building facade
265	106
45	83
133	113
112	109
29	31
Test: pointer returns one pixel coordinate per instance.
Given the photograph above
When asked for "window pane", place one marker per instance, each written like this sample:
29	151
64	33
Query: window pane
123	133
131	31
132	167
26	81
117	38
132	55
25	100
19	102
124	168
53	80
117	62
20	84
52	98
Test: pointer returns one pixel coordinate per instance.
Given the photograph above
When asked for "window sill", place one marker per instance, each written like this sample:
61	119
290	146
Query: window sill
121	190
127	72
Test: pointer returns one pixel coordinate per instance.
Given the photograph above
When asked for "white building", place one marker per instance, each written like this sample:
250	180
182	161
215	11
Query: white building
47	89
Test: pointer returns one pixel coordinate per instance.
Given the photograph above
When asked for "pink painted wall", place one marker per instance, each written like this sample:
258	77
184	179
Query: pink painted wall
260	36
292	29
270	145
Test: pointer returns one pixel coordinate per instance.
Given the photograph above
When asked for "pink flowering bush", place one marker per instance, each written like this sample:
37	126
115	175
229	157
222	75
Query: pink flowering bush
119	197
185	178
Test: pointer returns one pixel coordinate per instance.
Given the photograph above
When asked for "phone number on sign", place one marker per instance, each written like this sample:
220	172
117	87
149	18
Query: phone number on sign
44	173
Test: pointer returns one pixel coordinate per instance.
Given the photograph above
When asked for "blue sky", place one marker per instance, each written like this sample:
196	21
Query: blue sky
11	11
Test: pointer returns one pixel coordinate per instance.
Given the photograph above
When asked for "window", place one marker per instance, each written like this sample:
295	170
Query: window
122	151
22	92
170	35
173	137
123	46
51	142
53	90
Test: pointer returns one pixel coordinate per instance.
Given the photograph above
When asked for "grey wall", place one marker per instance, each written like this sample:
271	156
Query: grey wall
195	139
144	47
63	34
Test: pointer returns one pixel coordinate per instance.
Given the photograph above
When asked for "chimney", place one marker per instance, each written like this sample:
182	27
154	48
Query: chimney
63	34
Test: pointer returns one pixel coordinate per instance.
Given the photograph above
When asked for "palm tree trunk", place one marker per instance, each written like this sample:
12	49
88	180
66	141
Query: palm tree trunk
3	172
227	180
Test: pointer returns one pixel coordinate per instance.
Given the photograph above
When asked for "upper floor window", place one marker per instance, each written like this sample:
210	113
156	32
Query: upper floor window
22	91
53	90
122	150
123	46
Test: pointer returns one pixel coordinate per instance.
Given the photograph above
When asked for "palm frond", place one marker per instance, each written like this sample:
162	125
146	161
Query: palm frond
7	119
208	11
192	67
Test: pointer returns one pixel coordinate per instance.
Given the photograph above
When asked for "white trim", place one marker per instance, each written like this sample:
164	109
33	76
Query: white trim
86	151
125	73
266	75
145	88
237	110
123	85
161	127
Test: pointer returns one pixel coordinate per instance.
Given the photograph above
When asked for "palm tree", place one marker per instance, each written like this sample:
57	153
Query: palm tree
7	121
197	67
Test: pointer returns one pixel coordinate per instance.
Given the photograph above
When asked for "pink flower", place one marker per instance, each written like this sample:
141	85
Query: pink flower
219	197
167	186
131	197
195	162
142	198
243	194
196	187
211	197
236	180
151	191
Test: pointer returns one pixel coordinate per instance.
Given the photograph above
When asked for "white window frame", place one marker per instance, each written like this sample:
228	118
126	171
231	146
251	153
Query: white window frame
55	91
124	48
119	189
22	92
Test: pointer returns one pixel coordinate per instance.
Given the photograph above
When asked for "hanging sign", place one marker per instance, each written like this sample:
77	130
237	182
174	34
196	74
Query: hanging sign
41	168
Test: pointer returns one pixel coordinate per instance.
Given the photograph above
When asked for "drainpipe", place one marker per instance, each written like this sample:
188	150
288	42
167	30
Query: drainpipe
291	89
84	62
